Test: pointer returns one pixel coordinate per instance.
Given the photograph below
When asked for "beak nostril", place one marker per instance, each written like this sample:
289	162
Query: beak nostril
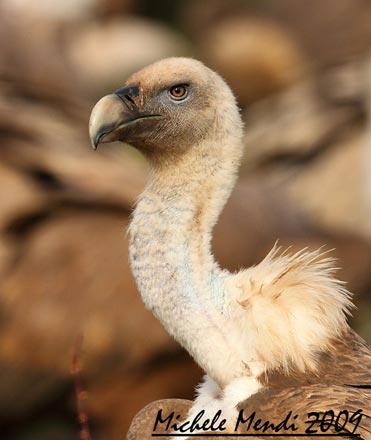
126	94
130	91
128	102
129	98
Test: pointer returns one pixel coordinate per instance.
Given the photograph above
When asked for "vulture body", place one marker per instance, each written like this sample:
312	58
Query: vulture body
264	333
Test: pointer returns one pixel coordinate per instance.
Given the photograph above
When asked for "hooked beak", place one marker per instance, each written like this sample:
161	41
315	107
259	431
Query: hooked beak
112	114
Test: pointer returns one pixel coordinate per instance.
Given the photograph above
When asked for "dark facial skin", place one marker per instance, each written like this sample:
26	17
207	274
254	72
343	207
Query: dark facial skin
168	117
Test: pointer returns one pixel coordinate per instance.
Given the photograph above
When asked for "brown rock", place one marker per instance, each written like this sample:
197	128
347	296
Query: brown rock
103	55
78	282
114	400
334	19
18	196
142	426
256	57
292	125
332	190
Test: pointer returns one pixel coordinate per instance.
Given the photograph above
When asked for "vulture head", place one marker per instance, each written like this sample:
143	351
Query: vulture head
168	107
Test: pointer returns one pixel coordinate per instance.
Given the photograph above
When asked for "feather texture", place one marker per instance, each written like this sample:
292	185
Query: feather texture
289	308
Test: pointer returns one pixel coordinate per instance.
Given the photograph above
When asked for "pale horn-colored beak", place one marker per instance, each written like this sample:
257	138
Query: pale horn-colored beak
111	113
115	116
107	115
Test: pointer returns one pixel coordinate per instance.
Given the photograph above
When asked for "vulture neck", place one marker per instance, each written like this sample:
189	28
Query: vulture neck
170	249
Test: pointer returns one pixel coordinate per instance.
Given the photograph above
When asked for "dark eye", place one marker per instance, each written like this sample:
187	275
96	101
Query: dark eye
178	92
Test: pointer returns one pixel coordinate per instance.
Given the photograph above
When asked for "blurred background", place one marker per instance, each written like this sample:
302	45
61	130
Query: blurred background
302	75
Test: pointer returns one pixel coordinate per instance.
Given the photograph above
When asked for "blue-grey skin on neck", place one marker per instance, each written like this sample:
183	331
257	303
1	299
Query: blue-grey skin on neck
194	147
171	259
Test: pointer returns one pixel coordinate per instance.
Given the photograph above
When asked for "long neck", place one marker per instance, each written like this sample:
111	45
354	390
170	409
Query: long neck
170	249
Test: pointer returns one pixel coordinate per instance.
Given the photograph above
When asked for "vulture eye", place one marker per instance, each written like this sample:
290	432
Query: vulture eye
178	93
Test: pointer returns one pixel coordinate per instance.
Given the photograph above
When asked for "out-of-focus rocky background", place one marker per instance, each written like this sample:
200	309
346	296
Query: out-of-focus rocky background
302	75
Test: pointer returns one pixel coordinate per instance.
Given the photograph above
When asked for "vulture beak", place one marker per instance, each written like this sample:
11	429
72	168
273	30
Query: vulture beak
112	113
